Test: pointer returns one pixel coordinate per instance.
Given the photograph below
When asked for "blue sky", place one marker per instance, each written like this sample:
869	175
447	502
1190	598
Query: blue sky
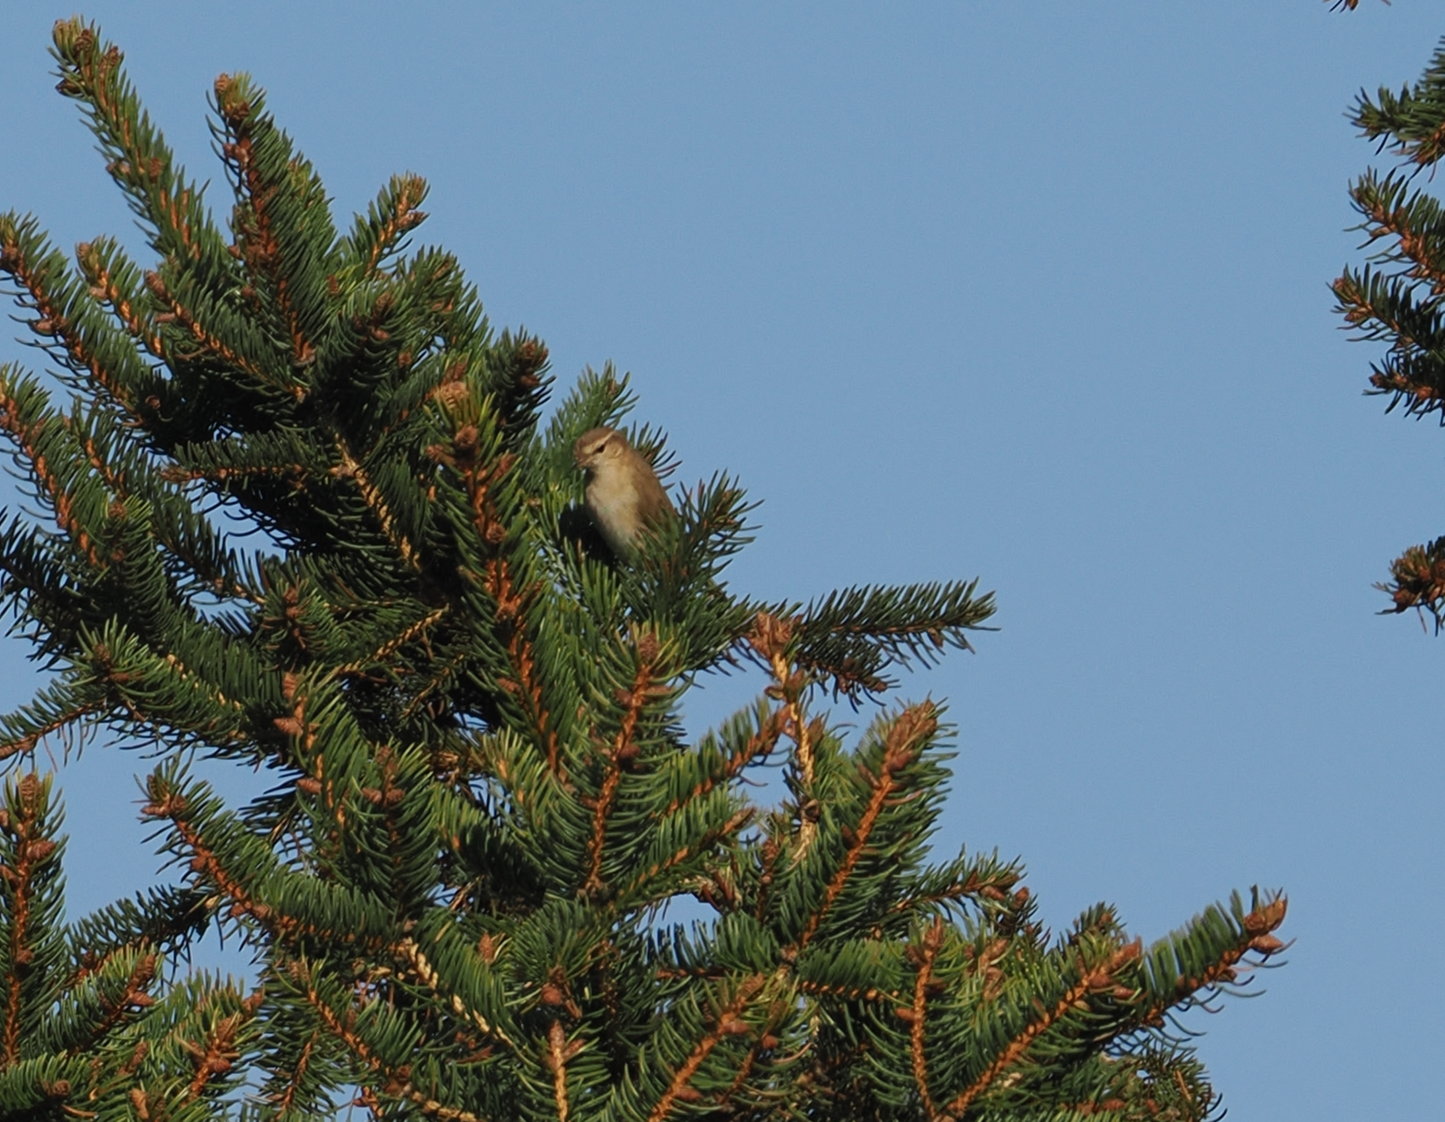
1030	292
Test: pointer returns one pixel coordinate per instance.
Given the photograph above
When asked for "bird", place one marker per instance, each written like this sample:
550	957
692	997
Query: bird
624	495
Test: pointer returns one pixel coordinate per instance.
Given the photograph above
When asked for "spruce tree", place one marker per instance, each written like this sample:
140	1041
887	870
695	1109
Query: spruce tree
1398	296
482	801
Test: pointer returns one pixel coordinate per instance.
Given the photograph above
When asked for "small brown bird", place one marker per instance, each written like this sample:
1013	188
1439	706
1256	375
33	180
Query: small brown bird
623	492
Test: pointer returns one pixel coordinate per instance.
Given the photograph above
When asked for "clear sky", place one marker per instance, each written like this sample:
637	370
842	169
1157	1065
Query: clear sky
1034	292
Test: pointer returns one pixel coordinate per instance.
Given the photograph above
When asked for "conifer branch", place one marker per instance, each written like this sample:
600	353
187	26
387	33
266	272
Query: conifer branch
217	1054
96	261
943	890
559	1051
163	919
208	863
1101	978
430	977
207	343
1385	307
883	998
772	856
525	684
519	381
1414	223
109	473
440	673
167	802
728	1022
907	734
119	1009
1255	935
771	638
395	1079
621	753
1411	118
68	330
31	437
32	859
853	635
191	679
379	507
769	724
917	1012
702	843
391	217
260	242
285	1098
1419	580
27	741
407	634
484	471
138	160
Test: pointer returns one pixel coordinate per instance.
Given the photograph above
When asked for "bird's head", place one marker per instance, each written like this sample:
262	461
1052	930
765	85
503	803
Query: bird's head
599	446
